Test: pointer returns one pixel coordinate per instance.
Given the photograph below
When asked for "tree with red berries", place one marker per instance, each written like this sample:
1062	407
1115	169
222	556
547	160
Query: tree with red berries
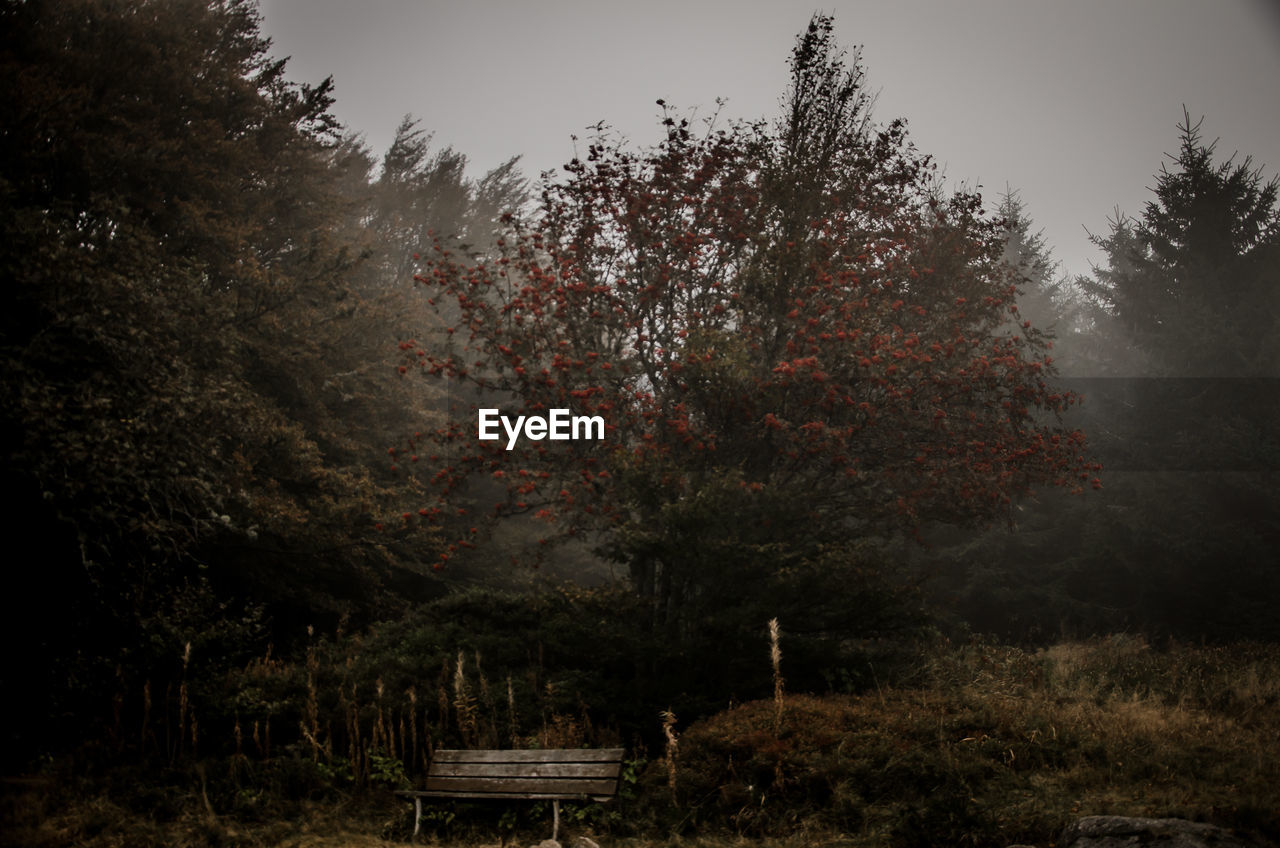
796	341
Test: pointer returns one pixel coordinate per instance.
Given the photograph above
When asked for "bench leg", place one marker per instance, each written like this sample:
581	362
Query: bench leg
417	817
555	819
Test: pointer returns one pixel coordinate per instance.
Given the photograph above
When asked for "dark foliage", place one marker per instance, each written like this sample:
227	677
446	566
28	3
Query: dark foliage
195	345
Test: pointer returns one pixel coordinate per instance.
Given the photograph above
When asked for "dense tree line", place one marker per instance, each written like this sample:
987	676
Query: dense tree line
204	292
1172	343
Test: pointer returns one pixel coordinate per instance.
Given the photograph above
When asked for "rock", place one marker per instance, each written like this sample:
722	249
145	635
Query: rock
548	843
582	842
1122	832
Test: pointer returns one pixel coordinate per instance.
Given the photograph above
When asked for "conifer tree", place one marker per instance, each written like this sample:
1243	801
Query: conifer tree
1196	279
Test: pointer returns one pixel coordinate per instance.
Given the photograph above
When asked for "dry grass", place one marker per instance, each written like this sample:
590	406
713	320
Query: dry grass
990	745
1004	746
33	821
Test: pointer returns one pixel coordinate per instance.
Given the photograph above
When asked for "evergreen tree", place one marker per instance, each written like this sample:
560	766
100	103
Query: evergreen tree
1194	286
181	229
1196	280
1050	301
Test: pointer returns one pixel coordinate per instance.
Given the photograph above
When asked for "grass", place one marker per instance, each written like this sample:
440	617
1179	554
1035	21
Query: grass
34	819
984	745
1001	746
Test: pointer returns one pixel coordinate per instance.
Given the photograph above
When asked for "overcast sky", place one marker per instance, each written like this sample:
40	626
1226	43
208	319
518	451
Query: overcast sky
1071	102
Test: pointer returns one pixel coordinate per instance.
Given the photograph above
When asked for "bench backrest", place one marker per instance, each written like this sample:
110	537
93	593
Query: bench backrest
550	773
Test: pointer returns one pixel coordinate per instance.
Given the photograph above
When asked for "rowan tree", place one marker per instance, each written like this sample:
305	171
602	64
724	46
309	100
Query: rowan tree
796	341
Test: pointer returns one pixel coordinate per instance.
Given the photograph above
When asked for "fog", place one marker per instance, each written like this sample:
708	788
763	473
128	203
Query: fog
1071	104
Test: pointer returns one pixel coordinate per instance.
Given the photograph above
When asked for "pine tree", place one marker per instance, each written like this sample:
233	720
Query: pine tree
1194	285
1196	280
179	225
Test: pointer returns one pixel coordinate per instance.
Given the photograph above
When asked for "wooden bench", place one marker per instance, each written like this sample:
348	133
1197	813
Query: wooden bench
551	774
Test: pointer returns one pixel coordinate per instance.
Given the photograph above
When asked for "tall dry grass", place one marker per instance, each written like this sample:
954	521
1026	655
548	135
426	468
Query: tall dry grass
995	745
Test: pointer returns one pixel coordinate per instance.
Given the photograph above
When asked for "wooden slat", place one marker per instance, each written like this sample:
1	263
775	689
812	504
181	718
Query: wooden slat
549	773
548	770
488	796
550	788
541	755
